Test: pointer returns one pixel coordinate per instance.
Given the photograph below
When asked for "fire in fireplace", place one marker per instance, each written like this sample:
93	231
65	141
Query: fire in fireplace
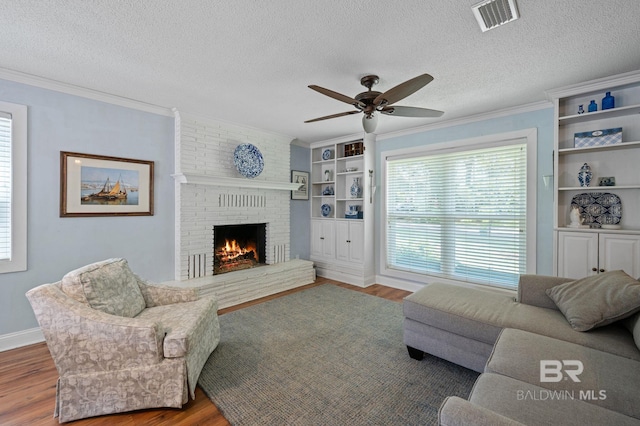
238	247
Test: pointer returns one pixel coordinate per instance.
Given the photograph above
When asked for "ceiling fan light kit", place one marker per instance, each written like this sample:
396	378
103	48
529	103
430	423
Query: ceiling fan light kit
372	102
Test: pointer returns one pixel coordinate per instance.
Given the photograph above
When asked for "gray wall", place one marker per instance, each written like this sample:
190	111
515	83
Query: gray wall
61	122
300	210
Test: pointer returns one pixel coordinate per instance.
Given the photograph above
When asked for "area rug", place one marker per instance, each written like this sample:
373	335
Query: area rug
325	356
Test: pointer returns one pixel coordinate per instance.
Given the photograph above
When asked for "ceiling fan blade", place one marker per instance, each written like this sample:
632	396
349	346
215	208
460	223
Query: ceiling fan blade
337	96
402	111
403	90
326	117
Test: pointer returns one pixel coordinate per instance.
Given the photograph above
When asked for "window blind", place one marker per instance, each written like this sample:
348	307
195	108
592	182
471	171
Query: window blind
5	186
459	215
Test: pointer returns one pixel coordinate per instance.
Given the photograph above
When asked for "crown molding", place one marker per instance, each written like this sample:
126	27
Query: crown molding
599	84
83	92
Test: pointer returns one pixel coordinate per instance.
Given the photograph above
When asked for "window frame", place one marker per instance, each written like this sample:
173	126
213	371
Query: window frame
527	136
18	260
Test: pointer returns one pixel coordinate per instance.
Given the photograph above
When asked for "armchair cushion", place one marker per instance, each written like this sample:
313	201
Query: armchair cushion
109	286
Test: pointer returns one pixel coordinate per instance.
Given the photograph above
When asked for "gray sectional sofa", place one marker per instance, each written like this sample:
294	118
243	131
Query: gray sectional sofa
563	351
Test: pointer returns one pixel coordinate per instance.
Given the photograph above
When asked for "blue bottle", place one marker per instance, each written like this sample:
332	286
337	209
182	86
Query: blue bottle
608	101
593	106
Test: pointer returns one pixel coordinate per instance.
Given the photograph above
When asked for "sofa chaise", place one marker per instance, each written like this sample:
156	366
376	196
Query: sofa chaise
562	352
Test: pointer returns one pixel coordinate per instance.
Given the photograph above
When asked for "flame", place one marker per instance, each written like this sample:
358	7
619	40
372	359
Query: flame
232	249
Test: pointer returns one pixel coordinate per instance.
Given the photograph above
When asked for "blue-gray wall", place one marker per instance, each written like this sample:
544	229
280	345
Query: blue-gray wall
300	209
62	122
542	119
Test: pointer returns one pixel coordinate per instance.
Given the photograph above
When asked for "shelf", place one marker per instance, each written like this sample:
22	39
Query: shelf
600	230
193	178
323	196
324	182
323	161
353	157
357	172
597	188
349	199
596	115
623	145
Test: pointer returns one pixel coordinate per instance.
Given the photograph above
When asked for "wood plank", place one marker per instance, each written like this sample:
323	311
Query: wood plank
28	382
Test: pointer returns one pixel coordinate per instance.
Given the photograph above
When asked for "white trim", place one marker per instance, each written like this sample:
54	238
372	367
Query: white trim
19	140
196	179
594	85
531	137
20	339
83	92
413	286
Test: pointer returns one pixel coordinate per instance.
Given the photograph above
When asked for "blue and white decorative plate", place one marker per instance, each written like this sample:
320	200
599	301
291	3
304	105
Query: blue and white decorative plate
326	154
248	160
599	209
326	210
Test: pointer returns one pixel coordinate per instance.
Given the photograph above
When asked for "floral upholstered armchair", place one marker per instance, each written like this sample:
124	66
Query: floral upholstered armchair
121	344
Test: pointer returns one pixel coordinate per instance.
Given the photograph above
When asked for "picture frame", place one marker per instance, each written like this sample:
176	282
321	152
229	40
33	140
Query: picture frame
302	193
99	185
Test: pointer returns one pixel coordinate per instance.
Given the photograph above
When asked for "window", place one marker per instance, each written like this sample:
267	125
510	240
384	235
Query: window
13	187
462	213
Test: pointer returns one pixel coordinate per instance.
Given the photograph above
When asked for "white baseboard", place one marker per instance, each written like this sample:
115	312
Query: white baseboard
398	283
21	338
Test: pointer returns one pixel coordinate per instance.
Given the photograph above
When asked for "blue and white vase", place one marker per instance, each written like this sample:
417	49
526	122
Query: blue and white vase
356	189
584	175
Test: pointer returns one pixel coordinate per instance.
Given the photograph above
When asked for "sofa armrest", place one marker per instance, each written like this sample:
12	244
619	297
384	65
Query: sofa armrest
531	290
83	339
159	295
456	411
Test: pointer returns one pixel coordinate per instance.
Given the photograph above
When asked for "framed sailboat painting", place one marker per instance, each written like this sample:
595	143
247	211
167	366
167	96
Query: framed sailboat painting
98	185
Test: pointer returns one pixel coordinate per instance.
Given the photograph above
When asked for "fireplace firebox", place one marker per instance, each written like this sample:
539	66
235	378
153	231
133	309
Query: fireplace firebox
237	247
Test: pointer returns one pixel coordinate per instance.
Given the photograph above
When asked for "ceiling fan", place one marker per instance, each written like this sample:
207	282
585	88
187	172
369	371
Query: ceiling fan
371	102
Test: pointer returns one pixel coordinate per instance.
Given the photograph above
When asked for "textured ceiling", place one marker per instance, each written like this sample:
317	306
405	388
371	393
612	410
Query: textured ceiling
250	62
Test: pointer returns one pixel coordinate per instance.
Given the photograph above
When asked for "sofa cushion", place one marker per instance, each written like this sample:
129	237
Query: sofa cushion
109	286
608	380
481	315
633	325
597	300
534	405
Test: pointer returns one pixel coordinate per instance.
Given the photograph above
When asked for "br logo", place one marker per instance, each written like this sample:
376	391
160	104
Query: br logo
553	370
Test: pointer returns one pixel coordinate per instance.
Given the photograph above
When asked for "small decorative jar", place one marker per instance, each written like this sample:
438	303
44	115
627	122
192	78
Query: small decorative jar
327	175
593	106
584	175
580	109
608	101
356	189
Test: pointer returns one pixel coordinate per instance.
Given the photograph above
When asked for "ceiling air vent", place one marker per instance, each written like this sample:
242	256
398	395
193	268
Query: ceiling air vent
493	13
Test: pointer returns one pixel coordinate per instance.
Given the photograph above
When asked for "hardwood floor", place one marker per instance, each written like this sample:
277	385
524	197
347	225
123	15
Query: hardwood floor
28	382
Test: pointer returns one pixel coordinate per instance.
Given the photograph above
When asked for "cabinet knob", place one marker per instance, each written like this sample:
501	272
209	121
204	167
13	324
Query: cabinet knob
594	269
601	270
322	238
348	241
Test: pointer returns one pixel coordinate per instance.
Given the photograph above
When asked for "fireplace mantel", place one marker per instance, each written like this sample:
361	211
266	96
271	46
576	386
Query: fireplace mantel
200	179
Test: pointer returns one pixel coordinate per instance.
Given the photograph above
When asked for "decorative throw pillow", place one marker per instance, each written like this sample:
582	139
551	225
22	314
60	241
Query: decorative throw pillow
109	286
597	300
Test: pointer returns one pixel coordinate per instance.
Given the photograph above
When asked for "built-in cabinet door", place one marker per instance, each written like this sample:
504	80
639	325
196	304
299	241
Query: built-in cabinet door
342	240
356	241
577	254
620	252
350	240
322	238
